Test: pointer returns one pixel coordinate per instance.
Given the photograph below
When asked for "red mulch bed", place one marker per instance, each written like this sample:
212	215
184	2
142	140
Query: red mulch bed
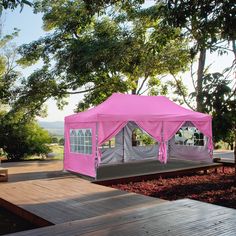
217	188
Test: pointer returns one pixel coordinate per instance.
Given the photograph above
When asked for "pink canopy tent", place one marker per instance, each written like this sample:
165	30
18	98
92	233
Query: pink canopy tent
157	115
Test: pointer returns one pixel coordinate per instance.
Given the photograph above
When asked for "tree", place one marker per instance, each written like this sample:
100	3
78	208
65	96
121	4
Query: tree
101	54
62	141
208	24
12	4
20	134
22	139
54	139
220	102
8	75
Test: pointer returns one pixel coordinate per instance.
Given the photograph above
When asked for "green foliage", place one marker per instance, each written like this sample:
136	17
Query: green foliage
21	139
54	139
205	21
99	50
33	93
140	138
8	76
219	100
61	141
12	4
19	133
209	25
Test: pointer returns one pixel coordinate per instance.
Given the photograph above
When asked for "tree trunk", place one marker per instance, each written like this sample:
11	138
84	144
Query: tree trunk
234	48
231	146
134	90
200	74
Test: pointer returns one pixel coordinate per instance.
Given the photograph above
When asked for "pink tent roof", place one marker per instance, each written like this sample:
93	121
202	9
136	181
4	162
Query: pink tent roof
124	107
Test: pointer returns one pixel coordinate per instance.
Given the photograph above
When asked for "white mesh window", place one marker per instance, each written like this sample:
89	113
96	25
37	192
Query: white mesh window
141	138
111	143
81	141
189	136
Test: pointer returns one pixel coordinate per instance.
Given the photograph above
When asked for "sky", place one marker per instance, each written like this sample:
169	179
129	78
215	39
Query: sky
30	26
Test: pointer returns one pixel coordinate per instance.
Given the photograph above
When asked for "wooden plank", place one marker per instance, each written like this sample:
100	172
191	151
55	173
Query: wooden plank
182	217
79	207
158	174
77	199
3	174
34	219
225	161
151	169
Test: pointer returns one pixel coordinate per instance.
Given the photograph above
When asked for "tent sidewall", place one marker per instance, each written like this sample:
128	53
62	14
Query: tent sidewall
76	162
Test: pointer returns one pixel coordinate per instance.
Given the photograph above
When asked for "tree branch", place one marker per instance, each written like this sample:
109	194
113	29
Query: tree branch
192	77
234	48
141	86
144	91
182	93
232	94
78	92
84	91
224	48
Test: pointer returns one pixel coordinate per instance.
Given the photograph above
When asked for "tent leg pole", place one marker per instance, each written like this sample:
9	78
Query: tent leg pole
96	152
123	158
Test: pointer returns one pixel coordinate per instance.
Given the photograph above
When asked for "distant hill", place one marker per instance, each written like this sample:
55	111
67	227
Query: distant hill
56	127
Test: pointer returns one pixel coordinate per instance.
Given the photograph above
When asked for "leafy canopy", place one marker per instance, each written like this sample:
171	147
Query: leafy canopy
22	139
20	135
219	100
12	4
99	52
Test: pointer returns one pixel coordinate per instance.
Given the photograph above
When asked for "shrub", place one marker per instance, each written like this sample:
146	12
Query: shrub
20	140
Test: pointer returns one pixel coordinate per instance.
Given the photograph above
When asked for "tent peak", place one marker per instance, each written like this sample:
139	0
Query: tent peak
129	107
136	95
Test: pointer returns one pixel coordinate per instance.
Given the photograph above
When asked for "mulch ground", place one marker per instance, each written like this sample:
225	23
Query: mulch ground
217	188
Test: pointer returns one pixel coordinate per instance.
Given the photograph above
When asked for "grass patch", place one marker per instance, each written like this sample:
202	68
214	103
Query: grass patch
57	153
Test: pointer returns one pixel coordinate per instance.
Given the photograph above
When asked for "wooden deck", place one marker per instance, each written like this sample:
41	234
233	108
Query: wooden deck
53	197
225	161
3	174
183	217
68	205
149	169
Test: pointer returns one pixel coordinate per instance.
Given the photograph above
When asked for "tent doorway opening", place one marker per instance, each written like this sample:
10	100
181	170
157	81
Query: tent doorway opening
130	144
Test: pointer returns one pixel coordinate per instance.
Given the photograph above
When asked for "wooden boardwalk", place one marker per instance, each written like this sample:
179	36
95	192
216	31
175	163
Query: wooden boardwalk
225	161
149	169
68	205
45	195
183	217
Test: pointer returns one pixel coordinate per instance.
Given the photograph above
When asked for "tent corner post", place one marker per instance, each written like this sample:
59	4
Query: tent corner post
96	151
123	158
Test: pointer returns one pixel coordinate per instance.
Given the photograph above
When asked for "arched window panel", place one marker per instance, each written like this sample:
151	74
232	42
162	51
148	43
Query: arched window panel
80	132
189	136
81	141
88	133
88	138
72	140
142	138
